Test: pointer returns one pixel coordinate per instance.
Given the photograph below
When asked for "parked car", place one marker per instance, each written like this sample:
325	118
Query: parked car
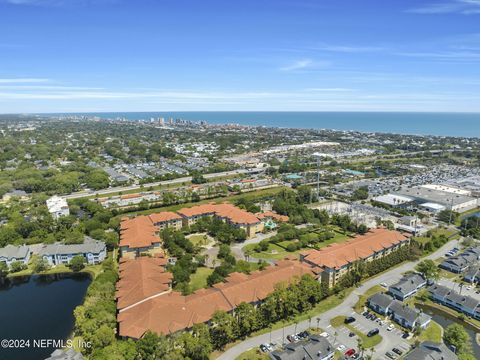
390	355
291	338
384	285
405	335
349	320
324	334
303	335
264	348
390	327
351	334
397	351
365	313
373	332
341	348
349	352
356	356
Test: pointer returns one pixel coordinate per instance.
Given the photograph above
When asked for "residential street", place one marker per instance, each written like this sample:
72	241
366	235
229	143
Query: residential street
344	308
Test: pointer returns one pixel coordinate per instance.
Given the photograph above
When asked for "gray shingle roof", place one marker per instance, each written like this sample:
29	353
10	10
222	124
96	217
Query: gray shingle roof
89	246
431	351
404	311
316	347
382	300
408	283
14	252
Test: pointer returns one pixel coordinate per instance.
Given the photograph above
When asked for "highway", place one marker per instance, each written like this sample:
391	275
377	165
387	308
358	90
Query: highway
117	189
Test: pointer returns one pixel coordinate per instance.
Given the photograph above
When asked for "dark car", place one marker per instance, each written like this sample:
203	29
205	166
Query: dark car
290	338
373	332
405	335
303	335
365	313
349	320
397	351
351	334
263	348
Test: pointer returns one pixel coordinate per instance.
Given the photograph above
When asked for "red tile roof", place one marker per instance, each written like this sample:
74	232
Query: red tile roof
361	247
164	216
141	278
225	210
273	215
173	312
138	232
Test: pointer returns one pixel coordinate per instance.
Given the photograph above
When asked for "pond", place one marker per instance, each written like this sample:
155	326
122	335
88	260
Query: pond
39	307
445	319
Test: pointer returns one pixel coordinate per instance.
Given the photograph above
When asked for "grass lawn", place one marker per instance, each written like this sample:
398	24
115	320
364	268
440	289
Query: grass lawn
433	332
368	342
436	232
199	279
278	252
253	354
198	239
363	298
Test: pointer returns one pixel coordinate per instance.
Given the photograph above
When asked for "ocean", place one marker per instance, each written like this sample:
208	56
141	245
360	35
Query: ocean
442	124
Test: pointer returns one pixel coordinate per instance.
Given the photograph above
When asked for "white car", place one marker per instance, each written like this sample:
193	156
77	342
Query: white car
384	285
390	327
341	348
469	287
324	334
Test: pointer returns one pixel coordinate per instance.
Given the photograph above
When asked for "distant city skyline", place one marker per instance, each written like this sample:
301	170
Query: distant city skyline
252	55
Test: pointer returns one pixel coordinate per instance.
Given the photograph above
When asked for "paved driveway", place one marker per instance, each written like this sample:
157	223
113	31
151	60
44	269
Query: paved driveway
344	308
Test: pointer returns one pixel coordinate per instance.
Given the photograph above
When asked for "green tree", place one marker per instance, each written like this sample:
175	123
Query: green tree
77	263
223	329
456	335
17	266
3	270
40	264
428	269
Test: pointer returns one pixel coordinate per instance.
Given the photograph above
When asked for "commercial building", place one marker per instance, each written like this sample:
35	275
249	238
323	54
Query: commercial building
94	252
315	348
425	196
165	312
10	254
332	262
393	200
57	207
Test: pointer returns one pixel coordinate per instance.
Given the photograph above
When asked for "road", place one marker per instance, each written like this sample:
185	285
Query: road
112	190
345	307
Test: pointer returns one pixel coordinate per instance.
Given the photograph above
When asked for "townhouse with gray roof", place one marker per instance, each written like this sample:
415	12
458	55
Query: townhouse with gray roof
429	350
94	252
408	317
380	303
407	286
316	348
472	274
10	254
460	263
402	314
462	303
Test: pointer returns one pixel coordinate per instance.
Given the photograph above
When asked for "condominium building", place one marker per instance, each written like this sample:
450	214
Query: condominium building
335	260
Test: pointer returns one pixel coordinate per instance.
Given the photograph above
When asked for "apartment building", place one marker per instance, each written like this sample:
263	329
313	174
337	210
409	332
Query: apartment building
334	261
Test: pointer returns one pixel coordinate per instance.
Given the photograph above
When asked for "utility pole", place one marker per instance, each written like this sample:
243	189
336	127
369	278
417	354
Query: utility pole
451	213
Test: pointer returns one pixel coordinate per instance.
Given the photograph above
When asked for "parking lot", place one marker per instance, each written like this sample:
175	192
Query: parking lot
390	339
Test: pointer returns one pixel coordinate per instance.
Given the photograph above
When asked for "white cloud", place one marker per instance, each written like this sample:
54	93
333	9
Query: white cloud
464	7
23	80
305	64
349	48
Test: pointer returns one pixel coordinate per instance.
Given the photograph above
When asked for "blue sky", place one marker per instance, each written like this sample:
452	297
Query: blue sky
180	55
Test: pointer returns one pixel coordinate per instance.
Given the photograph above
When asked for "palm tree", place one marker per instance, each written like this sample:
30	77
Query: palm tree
318	323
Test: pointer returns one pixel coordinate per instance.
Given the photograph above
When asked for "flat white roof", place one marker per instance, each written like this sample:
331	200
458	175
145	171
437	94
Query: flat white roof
391	199
446	188
433	206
